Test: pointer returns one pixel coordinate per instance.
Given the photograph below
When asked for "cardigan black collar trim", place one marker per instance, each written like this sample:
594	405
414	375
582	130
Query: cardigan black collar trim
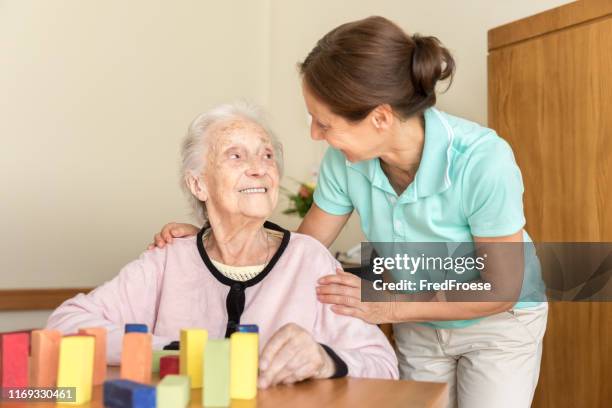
236	298
260	276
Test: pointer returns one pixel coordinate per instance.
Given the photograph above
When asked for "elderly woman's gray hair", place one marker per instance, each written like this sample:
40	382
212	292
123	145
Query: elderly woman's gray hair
193	159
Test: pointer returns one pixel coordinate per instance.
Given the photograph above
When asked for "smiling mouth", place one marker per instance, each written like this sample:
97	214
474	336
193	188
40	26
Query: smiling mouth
254	190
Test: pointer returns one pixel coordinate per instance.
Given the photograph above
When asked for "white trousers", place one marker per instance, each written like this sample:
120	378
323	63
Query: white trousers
493	363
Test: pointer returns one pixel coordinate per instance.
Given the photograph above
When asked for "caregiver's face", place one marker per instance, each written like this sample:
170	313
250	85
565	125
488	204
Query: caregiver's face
357	141
241	176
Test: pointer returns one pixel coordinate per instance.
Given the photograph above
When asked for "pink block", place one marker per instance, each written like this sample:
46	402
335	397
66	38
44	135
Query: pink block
14	349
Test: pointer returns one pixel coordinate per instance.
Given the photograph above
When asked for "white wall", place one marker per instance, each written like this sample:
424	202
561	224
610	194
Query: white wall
95	96
461	26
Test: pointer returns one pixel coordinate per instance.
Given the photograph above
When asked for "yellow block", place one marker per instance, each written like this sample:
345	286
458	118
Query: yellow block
76	363
243	365
191	355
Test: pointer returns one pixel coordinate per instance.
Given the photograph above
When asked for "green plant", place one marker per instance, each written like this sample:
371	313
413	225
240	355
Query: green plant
300	202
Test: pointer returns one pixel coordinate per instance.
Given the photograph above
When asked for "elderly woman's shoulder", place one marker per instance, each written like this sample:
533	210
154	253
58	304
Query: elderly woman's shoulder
178	247
310	246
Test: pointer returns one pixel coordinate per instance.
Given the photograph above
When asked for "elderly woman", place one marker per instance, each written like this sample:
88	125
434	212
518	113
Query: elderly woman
240	268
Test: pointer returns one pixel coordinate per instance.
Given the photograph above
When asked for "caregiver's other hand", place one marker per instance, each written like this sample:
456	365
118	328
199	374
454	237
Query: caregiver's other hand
292	355
170	231
343	291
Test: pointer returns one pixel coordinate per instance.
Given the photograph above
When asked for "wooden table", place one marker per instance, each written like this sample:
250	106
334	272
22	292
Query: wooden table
339	393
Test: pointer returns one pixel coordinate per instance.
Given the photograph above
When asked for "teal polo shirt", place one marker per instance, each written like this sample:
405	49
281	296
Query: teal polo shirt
467	184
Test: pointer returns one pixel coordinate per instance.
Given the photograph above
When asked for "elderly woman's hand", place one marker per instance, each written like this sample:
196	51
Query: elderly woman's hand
172	230
292	355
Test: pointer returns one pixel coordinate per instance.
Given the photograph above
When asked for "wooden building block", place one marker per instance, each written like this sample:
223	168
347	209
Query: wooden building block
99	334
243	365
173	391
191	355
14	350
128	394
168	365
247	328
44	357
216	391
157	354
136	328
136	357
75	369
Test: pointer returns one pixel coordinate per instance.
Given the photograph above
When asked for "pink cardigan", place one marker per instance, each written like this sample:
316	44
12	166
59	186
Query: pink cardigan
171	288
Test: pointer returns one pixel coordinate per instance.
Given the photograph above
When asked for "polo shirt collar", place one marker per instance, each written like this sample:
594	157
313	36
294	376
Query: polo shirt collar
432	175
371	170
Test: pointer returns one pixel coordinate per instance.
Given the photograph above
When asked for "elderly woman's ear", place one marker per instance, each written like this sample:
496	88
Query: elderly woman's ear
197	187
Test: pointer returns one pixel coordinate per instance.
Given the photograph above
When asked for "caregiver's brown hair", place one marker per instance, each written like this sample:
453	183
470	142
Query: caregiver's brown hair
366	63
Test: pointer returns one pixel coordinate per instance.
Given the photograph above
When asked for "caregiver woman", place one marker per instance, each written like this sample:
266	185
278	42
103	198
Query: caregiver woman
417	174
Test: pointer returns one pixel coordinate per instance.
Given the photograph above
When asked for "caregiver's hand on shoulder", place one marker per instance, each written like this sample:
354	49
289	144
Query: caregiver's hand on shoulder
170	231
292	355
343	292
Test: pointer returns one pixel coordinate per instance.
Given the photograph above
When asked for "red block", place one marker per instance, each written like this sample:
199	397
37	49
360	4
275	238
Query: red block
14	349
168	365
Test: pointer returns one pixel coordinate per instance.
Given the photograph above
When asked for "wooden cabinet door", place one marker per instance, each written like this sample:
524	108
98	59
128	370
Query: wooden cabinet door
550	97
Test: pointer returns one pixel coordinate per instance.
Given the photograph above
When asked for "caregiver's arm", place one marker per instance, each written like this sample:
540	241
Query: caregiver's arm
131	297
503	271
322	225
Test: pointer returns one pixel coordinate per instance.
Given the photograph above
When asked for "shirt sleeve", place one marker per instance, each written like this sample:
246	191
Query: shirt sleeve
331	193
493	191
362	346
131	297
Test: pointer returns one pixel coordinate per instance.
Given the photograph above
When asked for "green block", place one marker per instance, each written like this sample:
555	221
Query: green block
157	354
173	391
216	390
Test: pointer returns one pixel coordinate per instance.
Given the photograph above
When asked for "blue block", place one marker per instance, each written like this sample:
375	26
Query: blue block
136	328
248	328
128	394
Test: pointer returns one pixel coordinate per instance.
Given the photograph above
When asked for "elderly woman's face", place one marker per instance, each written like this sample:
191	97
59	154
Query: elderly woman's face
241	176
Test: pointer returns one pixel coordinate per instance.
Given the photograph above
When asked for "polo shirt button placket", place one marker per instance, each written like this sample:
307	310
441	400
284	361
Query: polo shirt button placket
397	226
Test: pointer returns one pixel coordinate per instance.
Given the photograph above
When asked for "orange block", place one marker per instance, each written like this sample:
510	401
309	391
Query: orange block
44	358
136	357
99	354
